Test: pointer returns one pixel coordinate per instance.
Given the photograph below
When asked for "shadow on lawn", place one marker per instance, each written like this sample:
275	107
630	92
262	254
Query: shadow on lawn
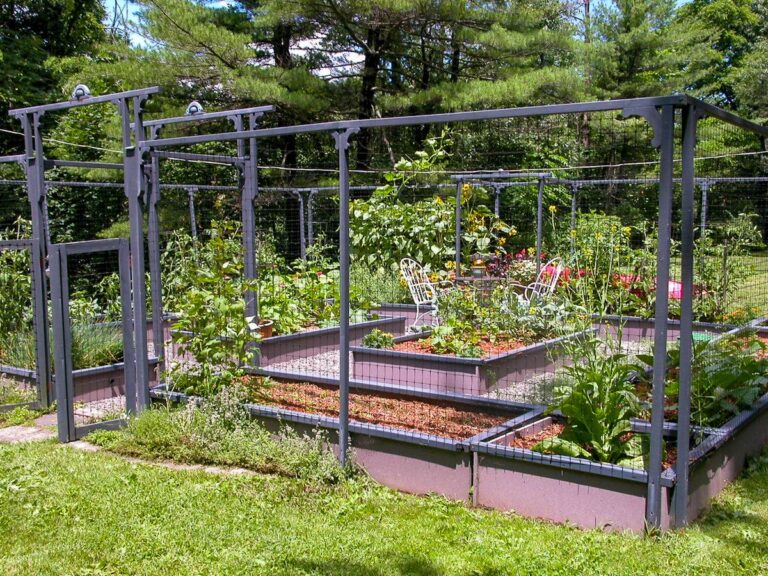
404	565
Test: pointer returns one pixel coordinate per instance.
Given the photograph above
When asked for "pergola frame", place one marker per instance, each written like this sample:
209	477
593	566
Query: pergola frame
659	112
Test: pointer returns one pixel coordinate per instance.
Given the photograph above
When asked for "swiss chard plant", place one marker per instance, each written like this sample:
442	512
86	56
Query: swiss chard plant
598	401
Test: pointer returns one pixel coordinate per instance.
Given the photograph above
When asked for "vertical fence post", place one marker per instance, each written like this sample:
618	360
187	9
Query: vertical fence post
155	274
666	137
342	145
574	206
539	224
497	200
705	184
132	178
34	164
65	415
192	217
302	236
311	217
457	242
686	317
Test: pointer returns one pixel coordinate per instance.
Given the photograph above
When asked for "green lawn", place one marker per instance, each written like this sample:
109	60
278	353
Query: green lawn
65	512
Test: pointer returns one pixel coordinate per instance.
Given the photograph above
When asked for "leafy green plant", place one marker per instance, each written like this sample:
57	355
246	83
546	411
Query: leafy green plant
394	224
728	376
213	327
597	402
450	340
379	339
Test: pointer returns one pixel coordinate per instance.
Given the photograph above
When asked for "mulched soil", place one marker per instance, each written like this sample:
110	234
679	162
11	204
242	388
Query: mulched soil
424	346
438	418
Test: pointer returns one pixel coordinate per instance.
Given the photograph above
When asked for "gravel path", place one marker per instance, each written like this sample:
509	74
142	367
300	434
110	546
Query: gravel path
325	364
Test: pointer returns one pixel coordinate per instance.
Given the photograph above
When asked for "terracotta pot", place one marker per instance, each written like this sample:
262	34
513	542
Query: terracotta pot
266	328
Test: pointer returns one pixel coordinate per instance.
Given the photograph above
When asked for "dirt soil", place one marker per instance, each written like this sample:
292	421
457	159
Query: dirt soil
424	346
456	422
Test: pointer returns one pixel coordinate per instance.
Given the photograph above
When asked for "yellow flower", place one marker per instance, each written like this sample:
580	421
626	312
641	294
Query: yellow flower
573	233
439	200
614	229
598	236
626	230
466	188
532	311
502	241
552	209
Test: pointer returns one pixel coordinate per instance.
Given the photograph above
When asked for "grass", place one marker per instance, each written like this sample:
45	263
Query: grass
64	512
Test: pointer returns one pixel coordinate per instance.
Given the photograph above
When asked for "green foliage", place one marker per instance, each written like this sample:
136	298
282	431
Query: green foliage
378	339
398	222
220	431
213	327
15	281
720	266
12	392
597	402
728	377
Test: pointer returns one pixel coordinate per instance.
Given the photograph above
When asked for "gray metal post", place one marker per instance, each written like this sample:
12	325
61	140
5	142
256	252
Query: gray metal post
459	184
65	414
574	206
129	338
705	185
155	274
247	198
686	317
192	218
311	217
35	171
302	236
342	145
666	137
497	200
132	177
539	224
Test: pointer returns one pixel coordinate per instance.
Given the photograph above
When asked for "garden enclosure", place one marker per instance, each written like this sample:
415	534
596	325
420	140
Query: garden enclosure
593	347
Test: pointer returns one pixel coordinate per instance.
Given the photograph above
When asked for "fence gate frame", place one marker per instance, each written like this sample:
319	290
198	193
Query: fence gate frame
62	332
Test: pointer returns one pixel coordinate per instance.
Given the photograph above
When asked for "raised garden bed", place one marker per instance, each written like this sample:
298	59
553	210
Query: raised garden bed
90	384
289	347
422	449
471	376
510	476
303	344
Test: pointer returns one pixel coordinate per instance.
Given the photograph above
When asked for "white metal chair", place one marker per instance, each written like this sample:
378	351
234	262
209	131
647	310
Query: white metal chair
424	292
544	285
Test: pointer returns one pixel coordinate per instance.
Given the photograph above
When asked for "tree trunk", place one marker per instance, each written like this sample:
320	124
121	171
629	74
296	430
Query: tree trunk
371	66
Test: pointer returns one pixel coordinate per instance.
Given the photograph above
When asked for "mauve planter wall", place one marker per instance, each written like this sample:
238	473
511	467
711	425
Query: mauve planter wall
303	344
408	311
472	376
720	459
103	382
635	328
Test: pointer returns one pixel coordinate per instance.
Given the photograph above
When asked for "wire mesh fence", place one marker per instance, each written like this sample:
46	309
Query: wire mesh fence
486	271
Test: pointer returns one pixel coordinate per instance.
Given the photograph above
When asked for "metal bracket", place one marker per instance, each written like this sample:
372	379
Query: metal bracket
341	137
652	115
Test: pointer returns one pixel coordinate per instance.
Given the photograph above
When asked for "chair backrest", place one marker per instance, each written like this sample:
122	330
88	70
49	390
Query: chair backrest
421	288
549	276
